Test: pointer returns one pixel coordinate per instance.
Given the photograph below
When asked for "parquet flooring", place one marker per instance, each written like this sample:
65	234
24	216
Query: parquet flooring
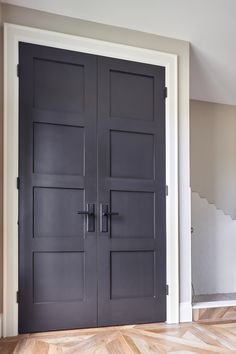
146	338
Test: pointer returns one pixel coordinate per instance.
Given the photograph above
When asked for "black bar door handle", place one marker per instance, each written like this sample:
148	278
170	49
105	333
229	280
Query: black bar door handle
104	217
110	213
82	212
90	213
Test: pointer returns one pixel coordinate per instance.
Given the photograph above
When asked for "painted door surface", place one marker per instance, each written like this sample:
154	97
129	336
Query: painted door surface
57	279
92	143
131	143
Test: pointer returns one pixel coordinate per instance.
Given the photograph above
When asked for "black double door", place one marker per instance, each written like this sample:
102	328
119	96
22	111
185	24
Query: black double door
92	248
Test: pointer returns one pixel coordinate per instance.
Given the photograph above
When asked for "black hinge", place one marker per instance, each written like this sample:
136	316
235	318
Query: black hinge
18	70
165	92
18	183
18	296
167	190
167	289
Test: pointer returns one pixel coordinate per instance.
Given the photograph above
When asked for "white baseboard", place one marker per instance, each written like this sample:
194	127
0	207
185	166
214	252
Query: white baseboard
185	312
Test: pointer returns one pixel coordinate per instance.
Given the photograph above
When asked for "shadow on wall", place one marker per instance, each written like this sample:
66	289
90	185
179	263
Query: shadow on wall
213	249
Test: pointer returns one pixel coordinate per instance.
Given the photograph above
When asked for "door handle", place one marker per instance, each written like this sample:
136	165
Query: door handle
84	212
90	213
110	213
104	216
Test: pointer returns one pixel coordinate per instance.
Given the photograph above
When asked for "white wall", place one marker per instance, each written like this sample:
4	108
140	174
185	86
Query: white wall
213	153
208	25
213	249
213	177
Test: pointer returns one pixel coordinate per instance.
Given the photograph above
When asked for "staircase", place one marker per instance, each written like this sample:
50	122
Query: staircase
213	248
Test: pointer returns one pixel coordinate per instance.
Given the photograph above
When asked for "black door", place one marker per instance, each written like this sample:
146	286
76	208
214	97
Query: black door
92	143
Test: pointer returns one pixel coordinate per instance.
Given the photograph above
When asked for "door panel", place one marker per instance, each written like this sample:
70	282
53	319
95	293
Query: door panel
132	274
134	157
132	95
131	143
49	206
58	168
51	269
58	86
58	149
92	139
137	213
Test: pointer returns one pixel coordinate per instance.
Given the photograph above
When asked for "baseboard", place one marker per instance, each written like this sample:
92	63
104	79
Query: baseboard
185	312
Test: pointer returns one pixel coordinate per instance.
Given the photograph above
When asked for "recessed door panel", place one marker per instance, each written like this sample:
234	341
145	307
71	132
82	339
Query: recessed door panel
58	149
131	95
51	280
132	274
58	85
136	214
131	155
50	204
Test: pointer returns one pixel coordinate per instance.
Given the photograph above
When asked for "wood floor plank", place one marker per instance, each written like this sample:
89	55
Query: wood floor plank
131	344
7	347
118	346
180	341
130	339
226	338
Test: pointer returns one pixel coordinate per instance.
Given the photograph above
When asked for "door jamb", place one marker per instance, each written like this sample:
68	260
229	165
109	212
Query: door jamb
13	34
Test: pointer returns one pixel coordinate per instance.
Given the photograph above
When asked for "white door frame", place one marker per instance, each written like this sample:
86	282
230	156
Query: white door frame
13	34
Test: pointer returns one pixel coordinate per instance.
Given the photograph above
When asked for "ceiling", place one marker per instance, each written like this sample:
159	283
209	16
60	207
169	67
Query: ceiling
209	25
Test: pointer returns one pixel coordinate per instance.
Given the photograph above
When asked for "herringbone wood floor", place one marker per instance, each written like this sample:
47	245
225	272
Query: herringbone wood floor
146	338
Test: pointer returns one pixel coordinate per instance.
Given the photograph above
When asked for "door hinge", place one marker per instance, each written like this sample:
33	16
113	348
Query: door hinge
167	289
18	297
167	190
18	183
165	92
18	70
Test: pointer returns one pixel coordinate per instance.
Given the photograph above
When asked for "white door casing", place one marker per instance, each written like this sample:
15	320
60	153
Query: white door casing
13	34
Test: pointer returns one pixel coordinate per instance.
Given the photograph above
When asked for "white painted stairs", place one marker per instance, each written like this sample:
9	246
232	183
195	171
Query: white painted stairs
213	248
